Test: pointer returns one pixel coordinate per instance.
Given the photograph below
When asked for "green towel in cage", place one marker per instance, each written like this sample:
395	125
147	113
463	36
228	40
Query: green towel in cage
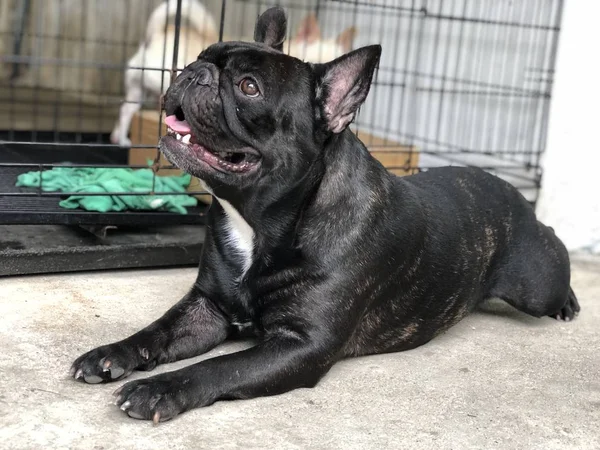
99	180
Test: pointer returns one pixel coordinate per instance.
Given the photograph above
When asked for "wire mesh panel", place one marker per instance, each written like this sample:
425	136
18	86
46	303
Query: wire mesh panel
463	82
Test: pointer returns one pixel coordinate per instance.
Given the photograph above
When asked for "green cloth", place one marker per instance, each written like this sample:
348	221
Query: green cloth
98	180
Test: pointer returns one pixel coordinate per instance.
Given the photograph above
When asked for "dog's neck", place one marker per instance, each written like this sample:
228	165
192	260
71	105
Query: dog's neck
344	181
352	182
345	158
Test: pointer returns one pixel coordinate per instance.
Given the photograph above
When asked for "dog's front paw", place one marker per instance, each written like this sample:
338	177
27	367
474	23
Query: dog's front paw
117	139
109	363
158	398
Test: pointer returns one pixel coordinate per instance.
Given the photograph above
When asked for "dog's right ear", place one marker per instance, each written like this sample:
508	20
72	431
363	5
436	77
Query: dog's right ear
343	85
271	28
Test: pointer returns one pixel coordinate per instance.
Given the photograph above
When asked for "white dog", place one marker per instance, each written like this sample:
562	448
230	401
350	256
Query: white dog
198	30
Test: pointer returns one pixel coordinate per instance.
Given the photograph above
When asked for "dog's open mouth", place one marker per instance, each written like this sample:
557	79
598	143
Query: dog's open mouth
238	162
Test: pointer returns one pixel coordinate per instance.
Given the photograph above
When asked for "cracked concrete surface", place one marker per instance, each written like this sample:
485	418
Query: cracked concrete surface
497	380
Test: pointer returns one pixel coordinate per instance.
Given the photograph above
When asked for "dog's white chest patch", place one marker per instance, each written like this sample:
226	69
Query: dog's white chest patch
240	234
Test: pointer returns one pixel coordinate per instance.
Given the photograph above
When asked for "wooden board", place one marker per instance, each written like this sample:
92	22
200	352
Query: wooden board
398	158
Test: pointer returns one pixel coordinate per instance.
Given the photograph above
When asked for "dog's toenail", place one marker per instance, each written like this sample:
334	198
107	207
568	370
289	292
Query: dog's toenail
125	405
106	365
156	418
79	374
118	391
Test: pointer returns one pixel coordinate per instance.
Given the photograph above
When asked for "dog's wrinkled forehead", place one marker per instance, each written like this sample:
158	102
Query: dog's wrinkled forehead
250	57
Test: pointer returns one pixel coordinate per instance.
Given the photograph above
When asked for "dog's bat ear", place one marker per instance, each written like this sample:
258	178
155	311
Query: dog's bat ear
345	39
271	28
343	85
308	30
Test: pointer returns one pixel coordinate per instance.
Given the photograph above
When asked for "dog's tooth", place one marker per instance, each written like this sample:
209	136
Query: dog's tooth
178	136
186	139
169	130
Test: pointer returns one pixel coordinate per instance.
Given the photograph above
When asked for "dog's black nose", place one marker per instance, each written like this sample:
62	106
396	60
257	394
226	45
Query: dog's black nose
202	76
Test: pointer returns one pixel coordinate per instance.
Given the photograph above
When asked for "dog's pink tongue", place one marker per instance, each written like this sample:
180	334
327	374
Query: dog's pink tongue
179	126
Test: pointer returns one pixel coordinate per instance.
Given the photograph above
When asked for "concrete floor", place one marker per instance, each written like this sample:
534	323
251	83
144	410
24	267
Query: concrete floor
497	380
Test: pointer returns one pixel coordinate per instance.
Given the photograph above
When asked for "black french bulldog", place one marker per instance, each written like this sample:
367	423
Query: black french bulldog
312	246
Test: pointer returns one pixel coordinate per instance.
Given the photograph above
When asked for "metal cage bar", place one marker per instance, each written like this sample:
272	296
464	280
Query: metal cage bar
465	82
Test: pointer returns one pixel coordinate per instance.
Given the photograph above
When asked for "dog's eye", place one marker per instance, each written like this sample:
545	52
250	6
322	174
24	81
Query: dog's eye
249	87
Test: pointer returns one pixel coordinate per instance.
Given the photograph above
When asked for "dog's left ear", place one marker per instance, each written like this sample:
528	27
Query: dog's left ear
343	85
271	28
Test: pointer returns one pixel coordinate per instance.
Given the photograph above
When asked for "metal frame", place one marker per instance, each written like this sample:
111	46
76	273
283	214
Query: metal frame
450	104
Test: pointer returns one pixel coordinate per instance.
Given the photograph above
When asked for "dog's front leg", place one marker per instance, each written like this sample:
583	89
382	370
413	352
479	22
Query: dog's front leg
281	363
191	327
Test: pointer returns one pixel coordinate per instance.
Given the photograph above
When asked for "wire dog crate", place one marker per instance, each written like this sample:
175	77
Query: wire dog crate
462	82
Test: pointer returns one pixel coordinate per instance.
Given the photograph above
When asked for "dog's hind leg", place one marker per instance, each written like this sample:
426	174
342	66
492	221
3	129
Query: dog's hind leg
522	295
535	277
